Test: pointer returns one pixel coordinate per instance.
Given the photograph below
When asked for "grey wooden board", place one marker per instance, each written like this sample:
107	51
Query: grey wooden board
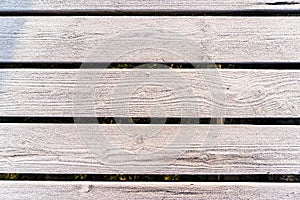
142	190
149	93
149	149
150	39
149	5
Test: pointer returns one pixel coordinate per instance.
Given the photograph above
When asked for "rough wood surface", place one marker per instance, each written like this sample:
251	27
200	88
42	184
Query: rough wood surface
149	93
150	39
149	149
121	6
142	190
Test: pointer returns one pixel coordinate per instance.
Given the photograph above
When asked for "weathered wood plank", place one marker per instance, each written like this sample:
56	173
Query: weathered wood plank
142	190
121	6
149	149
149	93
150	39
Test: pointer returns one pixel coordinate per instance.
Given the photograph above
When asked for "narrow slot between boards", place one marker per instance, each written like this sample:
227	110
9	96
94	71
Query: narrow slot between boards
145	120
276	66
152	178
271	11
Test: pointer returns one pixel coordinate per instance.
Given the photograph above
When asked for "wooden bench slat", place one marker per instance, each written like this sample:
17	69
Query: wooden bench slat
150	39
146	6
149	93
143	190
149	149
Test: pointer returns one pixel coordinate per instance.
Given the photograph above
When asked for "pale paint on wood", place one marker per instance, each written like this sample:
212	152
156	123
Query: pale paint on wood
149	149
142	190
149	93
150	39
119	6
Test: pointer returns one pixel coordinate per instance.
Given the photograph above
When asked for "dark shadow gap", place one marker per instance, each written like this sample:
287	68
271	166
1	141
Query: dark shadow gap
147	12
291	178
277	66
283	3
40	65
136	120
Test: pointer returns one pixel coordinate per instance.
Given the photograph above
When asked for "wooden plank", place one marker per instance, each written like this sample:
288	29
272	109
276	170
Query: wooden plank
122	6
149	93
143	190
149	149
150	39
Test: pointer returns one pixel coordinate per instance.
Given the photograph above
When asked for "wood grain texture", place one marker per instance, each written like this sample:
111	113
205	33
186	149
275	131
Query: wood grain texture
149	93
150	39
149	149
121	6
117	190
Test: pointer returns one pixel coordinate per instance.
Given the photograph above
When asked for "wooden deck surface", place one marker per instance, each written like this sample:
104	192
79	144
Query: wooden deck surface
143	39
141	190
179	93
179	31
149	149
121	6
